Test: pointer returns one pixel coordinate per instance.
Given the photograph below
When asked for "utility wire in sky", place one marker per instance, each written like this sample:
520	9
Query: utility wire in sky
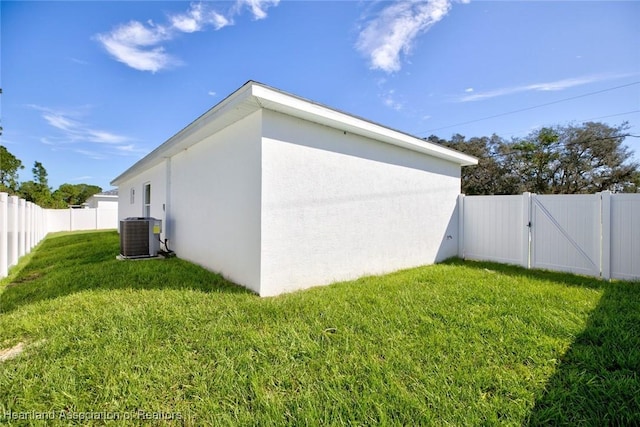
513	133
533	107
612	115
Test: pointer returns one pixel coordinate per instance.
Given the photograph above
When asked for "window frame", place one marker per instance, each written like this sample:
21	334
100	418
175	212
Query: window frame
146	199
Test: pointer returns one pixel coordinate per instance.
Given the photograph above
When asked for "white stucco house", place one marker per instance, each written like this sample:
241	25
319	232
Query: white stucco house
106	200
279	193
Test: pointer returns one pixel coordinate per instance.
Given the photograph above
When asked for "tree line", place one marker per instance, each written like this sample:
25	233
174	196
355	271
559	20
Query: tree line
37	190
569	159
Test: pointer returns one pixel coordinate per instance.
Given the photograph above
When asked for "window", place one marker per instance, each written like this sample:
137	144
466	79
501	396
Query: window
147	200
132	196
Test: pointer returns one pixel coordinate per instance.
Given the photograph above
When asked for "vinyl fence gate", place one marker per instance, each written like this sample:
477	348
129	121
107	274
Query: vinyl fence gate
591	234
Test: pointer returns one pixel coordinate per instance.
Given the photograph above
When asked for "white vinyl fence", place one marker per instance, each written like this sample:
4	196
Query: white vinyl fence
594	234
81	219
24	224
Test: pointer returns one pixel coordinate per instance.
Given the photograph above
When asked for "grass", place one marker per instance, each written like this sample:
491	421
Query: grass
458	343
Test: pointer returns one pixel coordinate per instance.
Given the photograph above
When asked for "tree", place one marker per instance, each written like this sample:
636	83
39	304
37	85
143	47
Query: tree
40	175
634	185
30	191
489	175
533	161
594	159
9	167
570	159
574	159
38	191
75	194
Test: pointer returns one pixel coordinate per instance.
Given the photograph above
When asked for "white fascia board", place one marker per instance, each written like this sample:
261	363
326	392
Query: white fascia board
253	96
275	100
231	109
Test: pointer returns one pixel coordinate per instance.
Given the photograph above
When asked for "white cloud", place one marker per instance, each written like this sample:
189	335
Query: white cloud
129	149
211	93
103	137
197	18
58	121
258	7
190	21
469	90
220	21
82	178
75	134
135	45
91	154
540	87
140	46
394	30
389	98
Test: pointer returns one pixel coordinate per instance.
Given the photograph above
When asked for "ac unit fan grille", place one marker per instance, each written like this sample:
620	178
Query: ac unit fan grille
134	238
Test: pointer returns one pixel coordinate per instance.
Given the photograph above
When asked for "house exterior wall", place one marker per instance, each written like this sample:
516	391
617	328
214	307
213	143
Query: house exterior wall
110	202
337	206
215	202
129	206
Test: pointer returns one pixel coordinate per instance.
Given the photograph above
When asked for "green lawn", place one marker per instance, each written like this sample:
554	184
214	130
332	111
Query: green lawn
458	343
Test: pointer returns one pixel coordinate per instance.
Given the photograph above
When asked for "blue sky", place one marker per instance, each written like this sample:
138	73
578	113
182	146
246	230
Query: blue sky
91	87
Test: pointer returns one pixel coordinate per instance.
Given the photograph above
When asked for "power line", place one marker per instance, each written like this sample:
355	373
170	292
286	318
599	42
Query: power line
512	133
533	107
515	151
610	115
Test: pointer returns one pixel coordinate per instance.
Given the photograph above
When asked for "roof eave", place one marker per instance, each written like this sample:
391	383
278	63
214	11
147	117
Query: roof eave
276	100
253	96
186	137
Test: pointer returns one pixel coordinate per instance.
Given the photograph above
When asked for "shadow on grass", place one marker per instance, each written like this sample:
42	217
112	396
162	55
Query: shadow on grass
543	275
598	379
69	263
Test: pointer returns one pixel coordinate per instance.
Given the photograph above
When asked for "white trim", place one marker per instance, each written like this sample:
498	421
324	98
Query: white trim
272	99
253	96
146	204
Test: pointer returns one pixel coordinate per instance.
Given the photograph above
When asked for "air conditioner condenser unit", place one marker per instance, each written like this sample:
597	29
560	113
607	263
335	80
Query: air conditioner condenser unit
140	237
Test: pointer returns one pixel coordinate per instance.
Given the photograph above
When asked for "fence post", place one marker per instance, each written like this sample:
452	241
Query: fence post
4	242
34	228
38	219
461	225
20	231
14	230
29	222
45	230
27	227
605	235
526	230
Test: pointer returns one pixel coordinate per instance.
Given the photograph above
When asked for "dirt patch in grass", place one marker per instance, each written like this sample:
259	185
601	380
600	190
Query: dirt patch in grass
24	279
17	350
10	353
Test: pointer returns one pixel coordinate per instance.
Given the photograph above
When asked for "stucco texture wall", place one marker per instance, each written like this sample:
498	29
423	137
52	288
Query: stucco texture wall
133	206
336	206
215	202
277	204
